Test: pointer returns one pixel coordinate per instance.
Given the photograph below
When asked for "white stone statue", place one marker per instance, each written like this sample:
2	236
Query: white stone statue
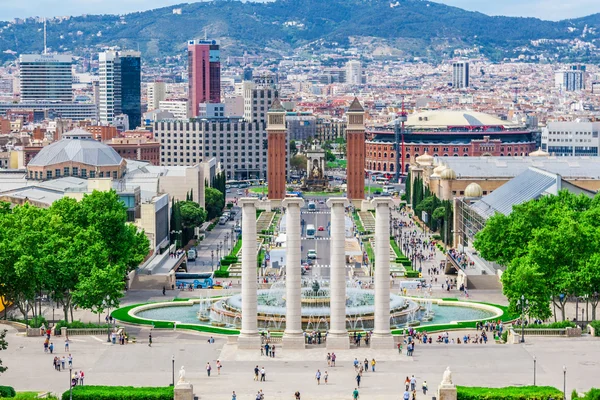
447	378
181	375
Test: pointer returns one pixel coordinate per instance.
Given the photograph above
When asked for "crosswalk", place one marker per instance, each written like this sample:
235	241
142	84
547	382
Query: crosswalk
315	238
323	266
316	212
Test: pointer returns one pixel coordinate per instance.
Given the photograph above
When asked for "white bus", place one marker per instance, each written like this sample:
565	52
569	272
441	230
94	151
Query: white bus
310	231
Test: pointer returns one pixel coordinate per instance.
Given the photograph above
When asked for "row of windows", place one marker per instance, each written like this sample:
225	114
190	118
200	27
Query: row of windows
571	140
594	134
214	135
75	171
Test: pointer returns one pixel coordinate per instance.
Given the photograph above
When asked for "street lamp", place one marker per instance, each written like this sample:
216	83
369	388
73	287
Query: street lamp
564	381
212	260
26	312
534	369
173	369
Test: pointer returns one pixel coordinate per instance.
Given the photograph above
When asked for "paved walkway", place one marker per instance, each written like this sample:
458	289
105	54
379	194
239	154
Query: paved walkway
29	368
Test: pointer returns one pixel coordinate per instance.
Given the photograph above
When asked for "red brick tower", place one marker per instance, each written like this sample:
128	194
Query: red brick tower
276	162
355	134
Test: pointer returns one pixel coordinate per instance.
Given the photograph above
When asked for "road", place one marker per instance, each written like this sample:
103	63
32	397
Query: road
319	217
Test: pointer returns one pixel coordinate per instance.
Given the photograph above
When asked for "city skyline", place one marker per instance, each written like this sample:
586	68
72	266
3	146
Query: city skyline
548	10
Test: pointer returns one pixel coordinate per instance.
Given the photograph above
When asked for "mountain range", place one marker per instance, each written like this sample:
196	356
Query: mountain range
401	27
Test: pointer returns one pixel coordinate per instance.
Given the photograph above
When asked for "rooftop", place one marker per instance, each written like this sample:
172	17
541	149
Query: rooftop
450	118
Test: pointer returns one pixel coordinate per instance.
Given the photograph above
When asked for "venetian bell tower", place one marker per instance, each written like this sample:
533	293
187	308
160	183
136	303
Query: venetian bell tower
355	133
276	162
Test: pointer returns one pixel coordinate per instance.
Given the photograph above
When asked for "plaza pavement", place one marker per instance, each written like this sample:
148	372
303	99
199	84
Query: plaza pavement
139	365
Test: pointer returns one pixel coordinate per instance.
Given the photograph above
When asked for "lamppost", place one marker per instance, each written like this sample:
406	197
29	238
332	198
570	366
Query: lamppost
26	312
178	239
534	369
70	383
564	381
108	329
212	260
523	304
173	369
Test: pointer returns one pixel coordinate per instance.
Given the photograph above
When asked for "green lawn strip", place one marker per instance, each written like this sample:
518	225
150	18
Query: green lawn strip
370	252
122	314
396	248
358	222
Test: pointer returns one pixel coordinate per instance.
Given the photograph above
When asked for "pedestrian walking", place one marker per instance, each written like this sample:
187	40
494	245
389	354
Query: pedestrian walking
406	395
366	362
355	394
333	357
358	379
67	345
208	368
81	377
413	383
273	351
256	370
219	365
51	347
373	362
326	377
63	361
424	387
150	339
70	360
297	395
263	374
233	396
318	377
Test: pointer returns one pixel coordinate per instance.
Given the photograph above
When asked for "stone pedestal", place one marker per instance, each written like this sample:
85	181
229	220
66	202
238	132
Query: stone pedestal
337	337
184	391
293	341
249	338
382	336
446	392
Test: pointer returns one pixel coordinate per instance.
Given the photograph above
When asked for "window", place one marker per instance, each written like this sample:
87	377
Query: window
92	174
49	174
101	174
66	171
75	171
57	173
114	174
83	173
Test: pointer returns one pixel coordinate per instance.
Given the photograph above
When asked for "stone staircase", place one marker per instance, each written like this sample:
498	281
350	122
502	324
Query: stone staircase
368	220
264	221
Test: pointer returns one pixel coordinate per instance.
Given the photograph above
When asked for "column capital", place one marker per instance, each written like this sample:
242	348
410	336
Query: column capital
291	201
382	202
337	201
246	201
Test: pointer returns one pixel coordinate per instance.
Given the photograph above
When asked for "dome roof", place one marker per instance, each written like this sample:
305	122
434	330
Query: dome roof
86	151
473	190
425	159
539	153
448	174
438	170
442	119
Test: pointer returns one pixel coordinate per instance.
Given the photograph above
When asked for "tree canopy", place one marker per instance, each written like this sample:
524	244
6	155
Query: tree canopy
214	201
551	249
77	252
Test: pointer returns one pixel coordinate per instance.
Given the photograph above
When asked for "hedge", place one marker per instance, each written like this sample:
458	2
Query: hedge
119	393
509	393
7	391
221	273
593	394
412	274
596	326
553	325
79	325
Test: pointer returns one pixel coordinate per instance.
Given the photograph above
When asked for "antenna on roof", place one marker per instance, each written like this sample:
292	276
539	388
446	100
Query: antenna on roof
45	37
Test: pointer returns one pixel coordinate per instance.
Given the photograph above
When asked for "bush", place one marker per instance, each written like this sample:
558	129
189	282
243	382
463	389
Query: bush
7	391
596	326
119	393
593	394
412	274
221	273
509	393
37	322
504	336
436	237
553	325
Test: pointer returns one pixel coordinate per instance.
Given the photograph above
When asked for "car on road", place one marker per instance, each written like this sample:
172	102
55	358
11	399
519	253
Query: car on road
306	266
321	201
240	192
321	229
312	254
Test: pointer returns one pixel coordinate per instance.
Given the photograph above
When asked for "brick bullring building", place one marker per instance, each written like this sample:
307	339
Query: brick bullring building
447	134
79	155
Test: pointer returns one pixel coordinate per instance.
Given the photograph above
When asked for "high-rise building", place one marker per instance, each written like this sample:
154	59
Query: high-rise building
460	74
46	77
276	161
258	97
157	92
354	72
204	74
120	87
570	80
571	138
248	74
355	136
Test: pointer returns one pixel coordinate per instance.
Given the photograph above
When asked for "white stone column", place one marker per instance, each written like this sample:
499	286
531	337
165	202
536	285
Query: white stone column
293	336
337	338
249	338
382	337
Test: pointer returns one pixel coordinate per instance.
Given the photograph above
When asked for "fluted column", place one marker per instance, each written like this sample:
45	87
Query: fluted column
337	338
293	336
382	337
249	338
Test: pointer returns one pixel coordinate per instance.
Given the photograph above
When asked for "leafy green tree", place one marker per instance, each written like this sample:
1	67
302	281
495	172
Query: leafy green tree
214	202
192	215
329	156
100	289
524	279
293	148
298	162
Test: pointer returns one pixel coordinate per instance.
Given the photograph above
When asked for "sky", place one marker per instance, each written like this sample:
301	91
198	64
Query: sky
545	9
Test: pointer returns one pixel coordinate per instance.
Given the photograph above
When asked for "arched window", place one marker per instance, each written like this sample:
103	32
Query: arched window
435	155
378	166
508	155
466	155
501	154
455	155
385	166
446	155
408	156
379	154
391	167
392	155
384	155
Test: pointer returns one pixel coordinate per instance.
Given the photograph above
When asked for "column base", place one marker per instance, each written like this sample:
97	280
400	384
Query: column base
338	341
447	392
293	341
183	391
249	341
382	341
